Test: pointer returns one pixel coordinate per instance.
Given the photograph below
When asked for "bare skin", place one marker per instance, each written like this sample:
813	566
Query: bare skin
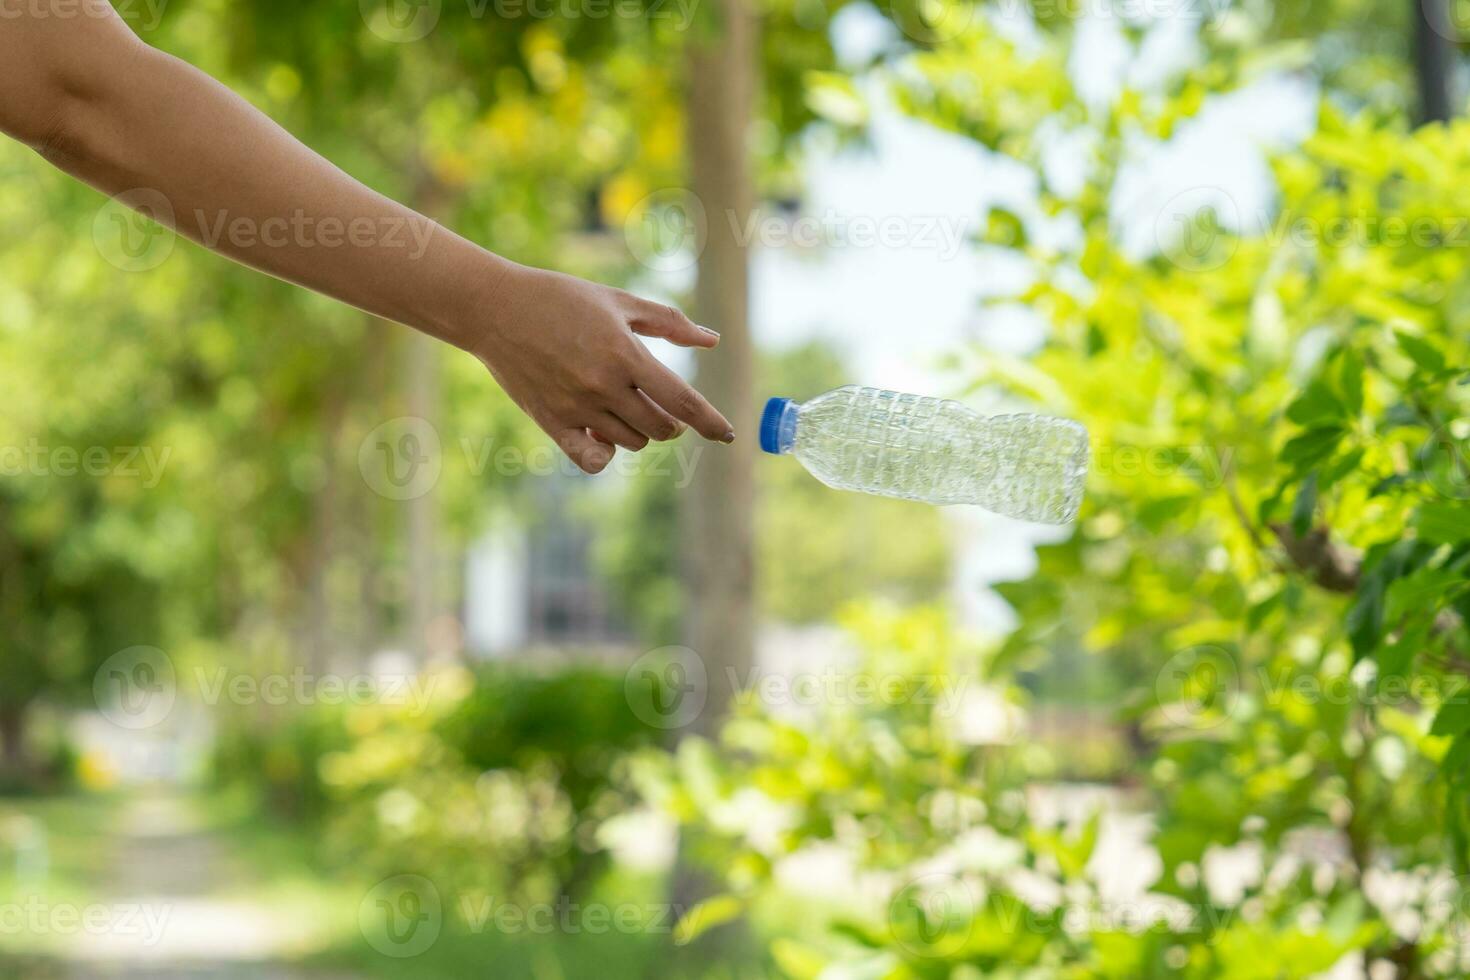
82	90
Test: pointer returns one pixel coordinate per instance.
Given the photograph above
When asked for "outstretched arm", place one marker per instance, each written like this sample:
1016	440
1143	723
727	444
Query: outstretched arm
102	105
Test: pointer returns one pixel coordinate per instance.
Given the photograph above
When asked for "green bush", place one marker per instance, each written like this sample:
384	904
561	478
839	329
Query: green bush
497	784
576	720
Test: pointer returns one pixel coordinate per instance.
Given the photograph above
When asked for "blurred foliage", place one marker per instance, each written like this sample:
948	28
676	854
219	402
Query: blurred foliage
496	782
924	841
1271	564
1273	555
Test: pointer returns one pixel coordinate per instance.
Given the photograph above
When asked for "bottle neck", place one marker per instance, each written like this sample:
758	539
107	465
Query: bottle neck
778	426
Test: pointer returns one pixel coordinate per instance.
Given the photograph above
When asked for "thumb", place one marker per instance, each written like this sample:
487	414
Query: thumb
588	453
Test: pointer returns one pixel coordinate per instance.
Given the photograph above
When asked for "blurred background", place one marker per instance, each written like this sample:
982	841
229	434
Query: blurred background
317	661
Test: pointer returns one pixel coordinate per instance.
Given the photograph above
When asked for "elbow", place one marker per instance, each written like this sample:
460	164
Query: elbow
55	140
81	107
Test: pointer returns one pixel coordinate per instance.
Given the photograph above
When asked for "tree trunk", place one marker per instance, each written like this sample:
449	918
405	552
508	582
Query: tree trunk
718	512
12	743
1433	51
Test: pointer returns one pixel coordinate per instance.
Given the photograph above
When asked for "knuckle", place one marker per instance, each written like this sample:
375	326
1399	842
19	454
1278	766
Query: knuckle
688	402
679	317
598	377
628	355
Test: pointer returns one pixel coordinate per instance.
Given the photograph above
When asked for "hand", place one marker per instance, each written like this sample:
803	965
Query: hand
563	349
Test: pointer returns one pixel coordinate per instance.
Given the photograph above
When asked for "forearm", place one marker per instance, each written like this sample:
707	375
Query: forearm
150	130
239	184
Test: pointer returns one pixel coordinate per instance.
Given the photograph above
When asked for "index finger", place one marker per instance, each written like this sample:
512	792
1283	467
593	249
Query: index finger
677	397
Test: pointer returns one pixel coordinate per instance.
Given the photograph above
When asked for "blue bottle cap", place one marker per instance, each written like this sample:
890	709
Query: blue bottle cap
771	434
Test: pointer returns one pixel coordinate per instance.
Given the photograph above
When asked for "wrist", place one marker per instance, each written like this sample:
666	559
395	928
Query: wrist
494	299
474	294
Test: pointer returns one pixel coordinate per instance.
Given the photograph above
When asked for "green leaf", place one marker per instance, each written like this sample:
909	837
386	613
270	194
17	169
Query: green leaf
1350	380
707	915
1006	228
796	960
1443	522
1365	619
1258	612
1421	352
1395	658
1388	483
1453	718
834	97
1316	405
1312	446
1305	506
1340	467
1382	566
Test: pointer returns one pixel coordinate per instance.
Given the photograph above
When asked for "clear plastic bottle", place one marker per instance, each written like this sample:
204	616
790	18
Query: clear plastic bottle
1030	467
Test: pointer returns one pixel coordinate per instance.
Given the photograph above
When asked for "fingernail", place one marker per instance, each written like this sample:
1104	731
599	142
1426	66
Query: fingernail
713	333
728	438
